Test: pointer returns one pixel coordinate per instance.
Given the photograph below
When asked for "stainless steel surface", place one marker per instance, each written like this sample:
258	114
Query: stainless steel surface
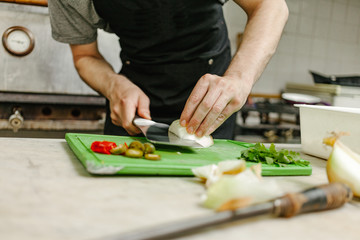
21	112
49	67
41	94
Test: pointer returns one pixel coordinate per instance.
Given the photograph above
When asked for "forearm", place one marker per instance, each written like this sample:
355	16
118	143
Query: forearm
125	98
94	70
260	39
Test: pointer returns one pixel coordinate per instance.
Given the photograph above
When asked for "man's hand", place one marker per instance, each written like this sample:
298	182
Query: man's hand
126	99
212	101
215	98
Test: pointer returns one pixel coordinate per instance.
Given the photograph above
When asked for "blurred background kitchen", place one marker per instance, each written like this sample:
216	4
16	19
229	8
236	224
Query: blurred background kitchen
41	95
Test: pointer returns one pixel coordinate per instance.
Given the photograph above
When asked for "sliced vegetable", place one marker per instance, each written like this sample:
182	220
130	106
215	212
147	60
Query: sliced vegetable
102	146
136	149
120	149
152	156
137	145
134	153
149	148
260	154
180	131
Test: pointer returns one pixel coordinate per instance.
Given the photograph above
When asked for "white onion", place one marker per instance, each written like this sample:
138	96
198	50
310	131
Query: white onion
180	131
242	189
344	166
230	185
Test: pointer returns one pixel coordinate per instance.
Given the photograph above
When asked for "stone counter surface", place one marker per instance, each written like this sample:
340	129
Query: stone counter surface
45	193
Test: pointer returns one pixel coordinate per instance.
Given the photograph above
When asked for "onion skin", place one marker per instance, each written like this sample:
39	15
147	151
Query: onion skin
344	166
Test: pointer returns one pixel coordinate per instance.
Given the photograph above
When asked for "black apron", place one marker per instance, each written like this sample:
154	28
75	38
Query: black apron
166	46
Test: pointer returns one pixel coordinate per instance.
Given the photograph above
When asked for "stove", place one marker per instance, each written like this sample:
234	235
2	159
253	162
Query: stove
268	121
35	114
41	93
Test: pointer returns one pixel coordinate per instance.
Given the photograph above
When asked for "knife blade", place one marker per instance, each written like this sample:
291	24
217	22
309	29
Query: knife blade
158	133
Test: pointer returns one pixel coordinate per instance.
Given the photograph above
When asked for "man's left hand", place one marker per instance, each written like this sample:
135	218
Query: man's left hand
212	101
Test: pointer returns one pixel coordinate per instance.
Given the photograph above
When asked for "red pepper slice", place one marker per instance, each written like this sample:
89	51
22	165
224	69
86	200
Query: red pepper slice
102	146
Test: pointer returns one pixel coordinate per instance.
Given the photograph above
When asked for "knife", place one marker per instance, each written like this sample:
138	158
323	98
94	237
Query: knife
320	198
158	133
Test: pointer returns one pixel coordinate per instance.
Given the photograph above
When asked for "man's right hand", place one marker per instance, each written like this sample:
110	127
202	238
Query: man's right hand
126	99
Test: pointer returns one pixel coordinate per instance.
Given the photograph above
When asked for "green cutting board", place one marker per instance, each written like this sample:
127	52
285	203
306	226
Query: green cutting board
174	160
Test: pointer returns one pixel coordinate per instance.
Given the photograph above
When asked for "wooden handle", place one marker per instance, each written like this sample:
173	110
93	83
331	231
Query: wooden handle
29	2
324	197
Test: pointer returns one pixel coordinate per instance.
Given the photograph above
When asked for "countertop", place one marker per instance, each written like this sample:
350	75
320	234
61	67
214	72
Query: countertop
45	193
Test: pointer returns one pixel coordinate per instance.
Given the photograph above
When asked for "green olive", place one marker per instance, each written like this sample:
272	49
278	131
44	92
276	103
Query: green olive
121	149
137	145
134	153
152	156
149	148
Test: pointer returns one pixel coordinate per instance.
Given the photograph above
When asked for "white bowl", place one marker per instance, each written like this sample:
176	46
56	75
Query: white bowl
317	122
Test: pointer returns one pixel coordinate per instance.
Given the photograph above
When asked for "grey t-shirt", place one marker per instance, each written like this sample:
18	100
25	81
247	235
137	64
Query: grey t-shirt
75	21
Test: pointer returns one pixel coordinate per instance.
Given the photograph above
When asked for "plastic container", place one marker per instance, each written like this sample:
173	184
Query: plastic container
317	122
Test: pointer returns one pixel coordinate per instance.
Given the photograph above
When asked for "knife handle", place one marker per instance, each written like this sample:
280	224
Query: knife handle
319	198
138	121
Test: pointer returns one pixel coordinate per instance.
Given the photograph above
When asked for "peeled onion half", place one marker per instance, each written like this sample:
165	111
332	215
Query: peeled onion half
344	166
180	131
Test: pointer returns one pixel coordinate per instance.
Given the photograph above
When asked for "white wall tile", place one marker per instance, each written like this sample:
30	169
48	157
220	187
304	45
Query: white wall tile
265	84
321	29
339	11
292	24
294	6
287	44
306	25
353	15
309	8
337	31
285	65
303	46
317	64
321	35
350	33
324	9
354	2
318	48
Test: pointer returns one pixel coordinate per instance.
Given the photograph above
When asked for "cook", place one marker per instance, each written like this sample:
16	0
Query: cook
176	58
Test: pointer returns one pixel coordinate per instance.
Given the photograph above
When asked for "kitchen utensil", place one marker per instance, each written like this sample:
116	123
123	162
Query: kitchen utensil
319	198
158	133
297	98
352	81
175	161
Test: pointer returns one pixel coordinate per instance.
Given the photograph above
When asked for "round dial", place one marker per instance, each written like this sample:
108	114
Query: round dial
18	41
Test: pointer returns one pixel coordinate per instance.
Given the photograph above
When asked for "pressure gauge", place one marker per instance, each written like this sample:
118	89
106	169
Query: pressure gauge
18	41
